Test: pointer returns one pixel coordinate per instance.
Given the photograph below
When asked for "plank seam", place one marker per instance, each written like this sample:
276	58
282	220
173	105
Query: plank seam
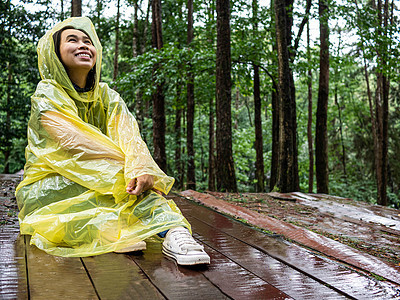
148	277
90	278
26	269
209	280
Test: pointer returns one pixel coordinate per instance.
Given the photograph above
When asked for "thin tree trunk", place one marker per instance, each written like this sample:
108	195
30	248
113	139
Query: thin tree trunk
226	178
99	9
321	132
211	129
258	129
138	105
275	138
257	112
76	8
236	113
275	112
143	44
379	150
62	10
158	97
135	45
310	115
211	147
116	51
343	159
287	166
382	105
183	151
178	149
191	172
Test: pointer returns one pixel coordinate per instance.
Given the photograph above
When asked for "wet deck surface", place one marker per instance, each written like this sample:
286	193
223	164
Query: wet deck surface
245	264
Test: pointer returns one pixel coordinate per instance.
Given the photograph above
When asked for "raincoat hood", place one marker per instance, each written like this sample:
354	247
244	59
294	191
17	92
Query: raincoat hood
51	68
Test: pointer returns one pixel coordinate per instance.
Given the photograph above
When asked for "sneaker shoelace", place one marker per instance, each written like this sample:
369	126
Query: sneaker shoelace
185	241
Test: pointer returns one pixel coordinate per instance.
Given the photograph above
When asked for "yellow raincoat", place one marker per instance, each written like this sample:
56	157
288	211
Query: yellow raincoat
83	149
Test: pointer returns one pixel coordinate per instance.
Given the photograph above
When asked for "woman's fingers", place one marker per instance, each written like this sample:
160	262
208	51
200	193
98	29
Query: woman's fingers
140	184
131	186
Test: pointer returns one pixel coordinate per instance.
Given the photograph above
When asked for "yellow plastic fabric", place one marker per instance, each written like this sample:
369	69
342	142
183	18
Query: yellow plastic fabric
83	149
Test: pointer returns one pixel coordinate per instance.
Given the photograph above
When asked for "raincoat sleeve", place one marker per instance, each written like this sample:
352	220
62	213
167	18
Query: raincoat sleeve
124	130
71	147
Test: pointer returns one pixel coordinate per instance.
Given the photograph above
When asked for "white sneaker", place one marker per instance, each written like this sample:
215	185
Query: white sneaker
135	247
180	245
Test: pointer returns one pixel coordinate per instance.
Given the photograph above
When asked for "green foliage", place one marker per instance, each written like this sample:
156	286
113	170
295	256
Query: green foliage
19	31
245	156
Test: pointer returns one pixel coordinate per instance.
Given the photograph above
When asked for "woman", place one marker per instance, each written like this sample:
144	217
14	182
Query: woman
90	184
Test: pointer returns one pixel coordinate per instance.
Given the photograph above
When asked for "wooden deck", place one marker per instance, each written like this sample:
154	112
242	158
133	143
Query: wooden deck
245	264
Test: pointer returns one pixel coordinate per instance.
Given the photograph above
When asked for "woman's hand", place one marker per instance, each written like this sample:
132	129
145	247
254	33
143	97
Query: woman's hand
141	184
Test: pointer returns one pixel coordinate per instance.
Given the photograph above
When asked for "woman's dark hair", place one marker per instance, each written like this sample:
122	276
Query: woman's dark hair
91	79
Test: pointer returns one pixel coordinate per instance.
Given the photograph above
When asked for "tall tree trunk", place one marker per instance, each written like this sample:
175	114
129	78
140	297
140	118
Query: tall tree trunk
258	129
158	97
287	166
145	28
274	109
76	8
178	134
62	10
99	10
382	105
211	147
275	138
337	103
135	45
211	129
191	172
257	111
136	50
116	51
226	178
380	159
236	111
321	131
310	115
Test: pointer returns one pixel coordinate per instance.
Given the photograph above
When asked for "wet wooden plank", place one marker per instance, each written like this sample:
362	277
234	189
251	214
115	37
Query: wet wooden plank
279	275
236	281
13	283
327	272
173	281
310	239
116	276
54	277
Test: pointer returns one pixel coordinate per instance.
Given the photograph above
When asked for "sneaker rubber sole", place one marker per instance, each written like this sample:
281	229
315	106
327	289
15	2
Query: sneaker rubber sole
187	259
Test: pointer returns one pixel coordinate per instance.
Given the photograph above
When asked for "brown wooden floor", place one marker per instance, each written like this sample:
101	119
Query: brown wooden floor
245	264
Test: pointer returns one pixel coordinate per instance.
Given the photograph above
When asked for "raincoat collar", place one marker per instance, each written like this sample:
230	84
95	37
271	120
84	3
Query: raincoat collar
51	68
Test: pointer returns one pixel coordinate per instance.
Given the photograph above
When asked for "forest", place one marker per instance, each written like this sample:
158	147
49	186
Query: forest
237	96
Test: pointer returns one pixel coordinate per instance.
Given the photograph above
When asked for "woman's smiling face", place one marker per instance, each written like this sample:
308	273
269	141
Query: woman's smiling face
77	51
